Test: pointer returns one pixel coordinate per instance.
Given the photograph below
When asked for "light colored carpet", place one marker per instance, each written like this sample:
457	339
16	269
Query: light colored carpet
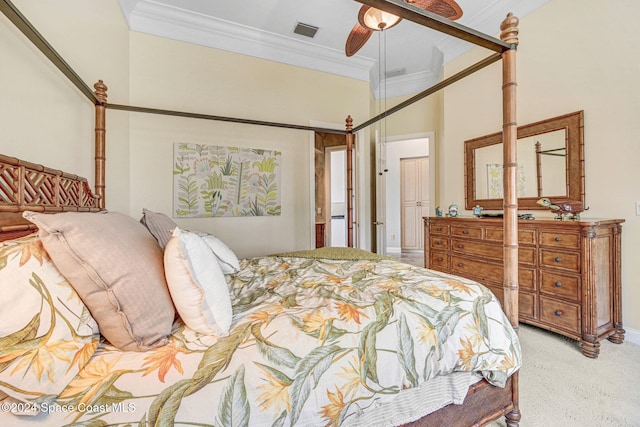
561	387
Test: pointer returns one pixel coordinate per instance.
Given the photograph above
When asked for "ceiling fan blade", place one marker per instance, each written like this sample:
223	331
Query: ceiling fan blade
446	8
357	38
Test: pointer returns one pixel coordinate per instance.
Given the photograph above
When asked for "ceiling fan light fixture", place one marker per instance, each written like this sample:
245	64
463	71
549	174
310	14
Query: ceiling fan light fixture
376	19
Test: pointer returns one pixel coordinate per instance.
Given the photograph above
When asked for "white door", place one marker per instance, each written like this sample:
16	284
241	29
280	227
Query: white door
414	199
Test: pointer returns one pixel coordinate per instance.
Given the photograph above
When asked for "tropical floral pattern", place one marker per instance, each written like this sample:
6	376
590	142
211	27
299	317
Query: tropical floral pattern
225	181
313	343
47	335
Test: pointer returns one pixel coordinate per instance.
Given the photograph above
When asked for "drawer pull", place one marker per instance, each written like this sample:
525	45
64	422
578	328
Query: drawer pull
558	239
438	229
465	231
558	313
439	259
558	284
459	246
459	264
558	259
438	242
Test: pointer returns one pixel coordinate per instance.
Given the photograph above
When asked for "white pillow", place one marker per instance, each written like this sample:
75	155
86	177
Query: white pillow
227	259
197	284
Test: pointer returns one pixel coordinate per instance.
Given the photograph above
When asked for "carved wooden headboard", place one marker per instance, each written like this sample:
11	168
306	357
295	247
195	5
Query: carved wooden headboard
29	186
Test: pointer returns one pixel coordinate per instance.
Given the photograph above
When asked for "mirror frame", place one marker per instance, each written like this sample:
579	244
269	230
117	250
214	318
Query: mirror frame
573	123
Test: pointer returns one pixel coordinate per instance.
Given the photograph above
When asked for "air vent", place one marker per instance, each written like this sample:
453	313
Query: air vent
305	30
395	73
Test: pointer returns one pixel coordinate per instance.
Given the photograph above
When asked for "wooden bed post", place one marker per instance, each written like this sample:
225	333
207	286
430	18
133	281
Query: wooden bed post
350	137
100	142
509	34
510	162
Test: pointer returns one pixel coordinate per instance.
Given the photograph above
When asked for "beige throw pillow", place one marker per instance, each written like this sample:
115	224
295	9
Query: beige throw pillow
116	267
159	225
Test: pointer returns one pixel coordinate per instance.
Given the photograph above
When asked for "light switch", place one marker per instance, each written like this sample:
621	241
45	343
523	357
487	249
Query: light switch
637	208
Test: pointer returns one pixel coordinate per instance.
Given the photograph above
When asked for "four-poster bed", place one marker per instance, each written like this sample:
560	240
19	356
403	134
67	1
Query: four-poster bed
484	401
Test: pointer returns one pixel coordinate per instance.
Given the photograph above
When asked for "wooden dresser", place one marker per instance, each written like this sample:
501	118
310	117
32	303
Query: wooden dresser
569	271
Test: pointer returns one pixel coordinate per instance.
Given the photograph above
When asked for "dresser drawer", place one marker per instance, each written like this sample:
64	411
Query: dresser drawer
526	278
439	229
526	303
439	242
562	285
527	306
470	232
525	237
439	260
491	250
477	270
481	249
489	273
569	261
560	314
559	239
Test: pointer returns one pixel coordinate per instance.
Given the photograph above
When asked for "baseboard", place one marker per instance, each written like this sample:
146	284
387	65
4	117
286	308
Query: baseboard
632	335
394	250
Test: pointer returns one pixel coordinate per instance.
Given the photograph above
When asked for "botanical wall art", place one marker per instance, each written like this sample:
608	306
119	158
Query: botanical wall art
212	181
494	181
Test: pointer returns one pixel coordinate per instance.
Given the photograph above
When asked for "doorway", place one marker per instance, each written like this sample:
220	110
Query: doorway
392	235
331	208
337	198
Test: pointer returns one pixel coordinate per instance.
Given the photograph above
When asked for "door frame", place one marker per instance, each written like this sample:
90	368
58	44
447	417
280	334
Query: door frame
359	204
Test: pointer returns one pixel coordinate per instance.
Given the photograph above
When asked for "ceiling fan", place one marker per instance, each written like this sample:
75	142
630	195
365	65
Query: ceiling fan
371	19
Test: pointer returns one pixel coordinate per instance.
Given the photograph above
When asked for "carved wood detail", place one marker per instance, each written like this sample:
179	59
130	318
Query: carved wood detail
29	186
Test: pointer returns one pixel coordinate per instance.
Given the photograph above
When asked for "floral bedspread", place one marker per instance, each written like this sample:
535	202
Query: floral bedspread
313	342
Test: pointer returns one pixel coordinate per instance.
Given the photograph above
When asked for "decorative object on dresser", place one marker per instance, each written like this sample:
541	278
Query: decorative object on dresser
565	209
569	271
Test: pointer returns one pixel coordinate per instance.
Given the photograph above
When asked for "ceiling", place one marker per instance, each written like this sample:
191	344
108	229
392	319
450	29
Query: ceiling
407	58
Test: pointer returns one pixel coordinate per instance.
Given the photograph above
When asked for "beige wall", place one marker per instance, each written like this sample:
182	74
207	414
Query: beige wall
43	117
179	76
571	57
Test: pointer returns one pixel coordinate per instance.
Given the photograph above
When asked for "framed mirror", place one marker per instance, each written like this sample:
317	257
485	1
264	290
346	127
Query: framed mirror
550	164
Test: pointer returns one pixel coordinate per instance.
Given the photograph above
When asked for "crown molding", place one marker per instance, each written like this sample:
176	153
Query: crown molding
127	7
409	84
152	17
162	20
